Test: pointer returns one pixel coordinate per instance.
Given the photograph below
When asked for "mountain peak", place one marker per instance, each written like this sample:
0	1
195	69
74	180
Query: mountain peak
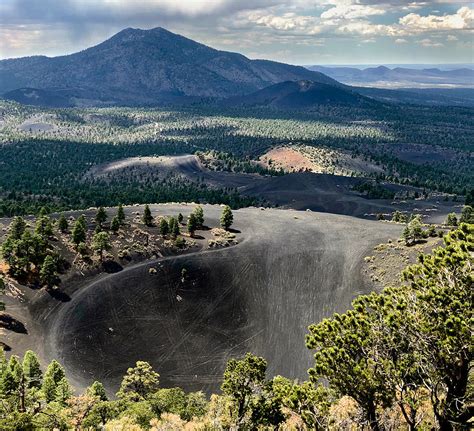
131	34
137	66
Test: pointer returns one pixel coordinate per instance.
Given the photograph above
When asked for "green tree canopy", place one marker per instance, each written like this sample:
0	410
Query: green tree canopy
147	217
32	370
227	218
63	224
139	382
451	219
192	224
44	226
467	214
97	390
101	217
164	227
79	231
121	214
101	243
53	376
199	216
115	224
48	271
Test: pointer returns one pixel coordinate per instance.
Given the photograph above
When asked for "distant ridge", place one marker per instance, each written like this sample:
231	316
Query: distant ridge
400	77
147	67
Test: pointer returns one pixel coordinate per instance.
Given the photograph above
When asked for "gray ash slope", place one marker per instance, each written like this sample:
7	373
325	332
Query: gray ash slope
290	270
148	66
298	190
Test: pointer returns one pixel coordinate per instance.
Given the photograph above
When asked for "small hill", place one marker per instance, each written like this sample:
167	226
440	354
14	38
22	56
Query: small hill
303	94
147	67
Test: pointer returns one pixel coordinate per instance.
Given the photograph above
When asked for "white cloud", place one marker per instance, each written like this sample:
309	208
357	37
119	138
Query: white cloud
290	22
452	38
401	41
428	43
413	24
366	28
461	20
351	11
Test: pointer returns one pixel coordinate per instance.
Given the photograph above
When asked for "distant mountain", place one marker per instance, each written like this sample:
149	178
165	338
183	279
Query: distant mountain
399	77
296	95
147	67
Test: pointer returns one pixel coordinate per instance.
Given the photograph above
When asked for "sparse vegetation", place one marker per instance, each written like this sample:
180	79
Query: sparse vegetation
49	168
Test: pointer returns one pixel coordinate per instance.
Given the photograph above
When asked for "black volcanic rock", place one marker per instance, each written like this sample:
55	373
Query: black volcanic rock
295	95
147	67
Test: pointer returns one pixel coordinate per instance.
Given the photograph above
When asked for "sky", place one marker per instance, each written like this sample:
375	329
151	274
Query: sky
292	31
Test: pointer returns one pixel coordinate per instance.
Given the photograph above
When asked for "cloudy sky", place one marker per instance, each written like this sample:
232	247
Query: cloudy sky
293	31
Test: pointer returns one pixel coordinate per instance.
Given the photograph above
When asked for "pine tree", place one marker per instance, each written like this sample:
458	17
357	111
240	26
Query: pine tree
115	224
48	271
164	227
171	223
12	376
79	231
17	228
227	218
467	215
413	231
44	211
199	215
121	214
82	221
399	217
101	217
174	227
139	382
101	243
63	392
63	225
44	227
32	370
54	374
3	362
451	219
192	224
147	217
97	390
8	383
